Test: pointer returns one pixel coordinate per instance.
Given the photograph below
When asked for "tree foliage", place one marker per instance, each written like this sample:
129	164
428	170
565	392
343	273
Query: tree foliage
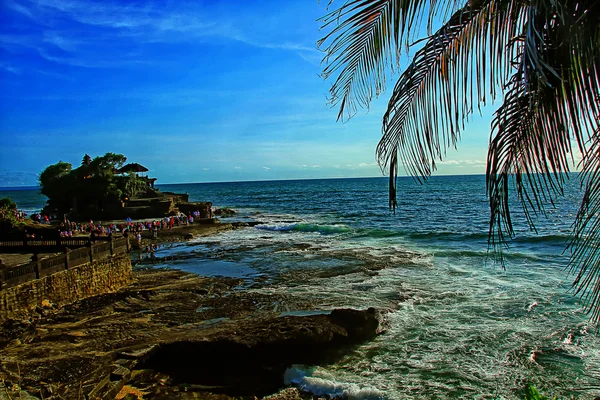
541	56
86	160
7	204
8	215
89	189
133	185
56	183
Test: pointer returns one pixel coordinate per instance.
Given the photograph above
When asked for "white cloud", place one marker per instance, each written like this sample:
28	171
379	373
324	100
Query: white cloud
448	162
472	163
173	22
10	68
237	168
266	168
18	8
205	169
60	41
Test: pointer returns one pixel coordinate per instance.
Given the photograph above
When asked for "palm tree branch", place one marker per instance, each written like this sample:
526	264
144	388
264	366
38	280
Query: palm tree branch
585	241
366	37
436	93
532	142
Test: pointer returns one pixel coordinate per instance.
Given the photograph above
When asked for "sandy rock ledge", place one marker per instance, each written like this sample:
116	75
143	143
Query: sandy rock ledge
175	335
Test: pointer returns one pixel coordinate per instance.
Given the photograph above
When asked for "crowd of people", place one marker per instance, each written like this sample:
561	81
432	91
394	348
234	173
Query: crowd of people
42	218
19	215
69	229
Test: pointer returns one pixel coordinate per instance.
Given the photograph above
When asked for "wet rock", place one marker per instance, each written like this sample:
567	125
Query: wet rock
237	225
13	331
285	394
177	333
224	211
250	358
362	325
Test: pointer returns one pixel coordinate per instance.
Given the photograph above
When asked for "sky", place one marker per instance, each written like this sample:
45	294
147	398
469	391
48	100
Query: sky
197	91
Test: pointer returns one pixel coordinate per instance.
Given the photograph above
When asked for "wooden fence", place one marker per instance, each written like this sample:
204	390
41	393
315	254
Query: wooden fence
33	245
12	276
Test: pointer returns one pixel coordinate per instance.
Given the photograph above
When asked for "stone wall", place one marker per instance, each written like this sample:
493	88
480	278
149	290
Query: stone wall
67	286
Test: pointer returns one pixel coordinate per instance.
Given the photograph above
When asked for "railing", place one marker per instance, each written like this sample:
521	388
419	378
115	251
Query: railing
12	276
34	245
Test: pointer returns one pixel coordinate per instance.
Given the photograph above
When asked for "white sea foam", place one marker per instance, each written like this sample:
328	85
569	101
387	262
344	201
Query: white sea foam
322	384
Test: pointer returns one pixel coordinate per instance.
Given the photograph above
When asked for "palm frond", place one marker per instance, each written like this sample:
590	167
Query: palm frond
365	41
550	100
585	240
545	57
524	153
446	80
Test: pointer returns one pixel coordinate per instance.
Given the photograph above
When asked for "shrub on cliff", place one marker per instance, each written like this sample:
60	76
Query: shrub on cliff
89	189
9	216
7	204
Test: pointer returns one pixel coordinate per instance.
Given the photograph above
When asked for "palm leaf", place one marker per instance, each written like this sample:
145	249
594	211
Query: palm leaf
544	55
525	154
365	42
438	91
586	238
545	106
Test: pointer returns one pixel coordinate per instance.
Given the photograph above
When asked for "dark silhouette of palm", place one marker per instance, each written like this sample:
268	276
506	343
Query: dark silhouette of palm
541	56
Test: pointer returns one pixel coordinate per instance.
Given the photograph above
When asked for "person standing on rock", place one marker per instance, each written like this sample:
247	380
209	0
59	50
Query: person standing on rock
152	255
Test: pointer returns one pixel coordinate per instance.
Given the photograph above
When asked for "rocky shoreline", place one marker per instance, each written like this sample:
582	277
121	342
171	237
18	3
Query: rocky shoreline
173	334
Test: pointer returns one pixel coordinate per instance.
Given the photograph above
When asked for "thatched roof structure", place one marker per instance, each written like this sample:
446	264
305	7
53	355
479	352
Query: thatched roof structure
132	167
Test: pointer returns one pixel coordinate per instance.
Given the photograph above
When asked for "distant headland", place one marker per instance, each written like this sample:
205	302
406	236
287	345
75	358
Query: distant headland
108	188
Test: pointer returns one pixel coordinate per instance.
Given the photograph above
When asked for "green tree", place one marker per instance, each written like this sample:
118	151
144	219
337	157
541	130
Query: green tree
542	56
107	164
87	160
7	203
57	184
52	174
85	191
8	218
134	185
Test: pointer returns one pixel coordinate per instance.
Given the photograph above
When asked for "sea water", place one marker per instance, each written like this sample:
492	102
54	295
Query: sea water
460	326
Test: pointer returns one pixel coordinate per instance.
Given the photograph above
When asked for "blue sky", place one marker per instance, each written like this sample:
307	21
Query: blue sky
197	91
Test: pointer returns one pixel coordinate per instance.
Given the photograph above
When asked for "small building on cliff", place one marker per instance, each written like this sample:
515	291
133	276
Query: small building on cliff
105	188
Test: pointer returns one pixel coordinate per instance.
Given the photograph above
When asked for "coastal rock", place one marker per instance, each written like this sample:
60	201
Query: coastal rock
224	211
178	332
246	224
285	394
262	350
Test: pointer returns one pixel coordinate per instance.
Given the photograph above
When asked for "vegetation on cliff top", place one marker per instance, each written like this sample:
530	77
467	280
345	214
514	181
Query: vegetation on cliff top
90	189
9	215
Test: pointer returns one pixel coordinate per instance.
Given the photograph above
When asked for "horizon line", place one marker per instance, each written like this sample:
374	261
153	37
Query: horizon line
31	187
313	179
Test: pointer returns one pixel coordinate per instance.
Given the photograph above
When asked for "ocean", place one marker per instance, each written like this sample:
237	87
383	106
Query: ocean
461	326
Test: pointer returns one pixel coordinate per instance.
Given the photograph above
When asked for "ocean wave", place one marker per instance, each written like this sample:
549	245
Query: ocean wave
307	380
378	233
305	227
448	235
560	238
483	236
488	254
